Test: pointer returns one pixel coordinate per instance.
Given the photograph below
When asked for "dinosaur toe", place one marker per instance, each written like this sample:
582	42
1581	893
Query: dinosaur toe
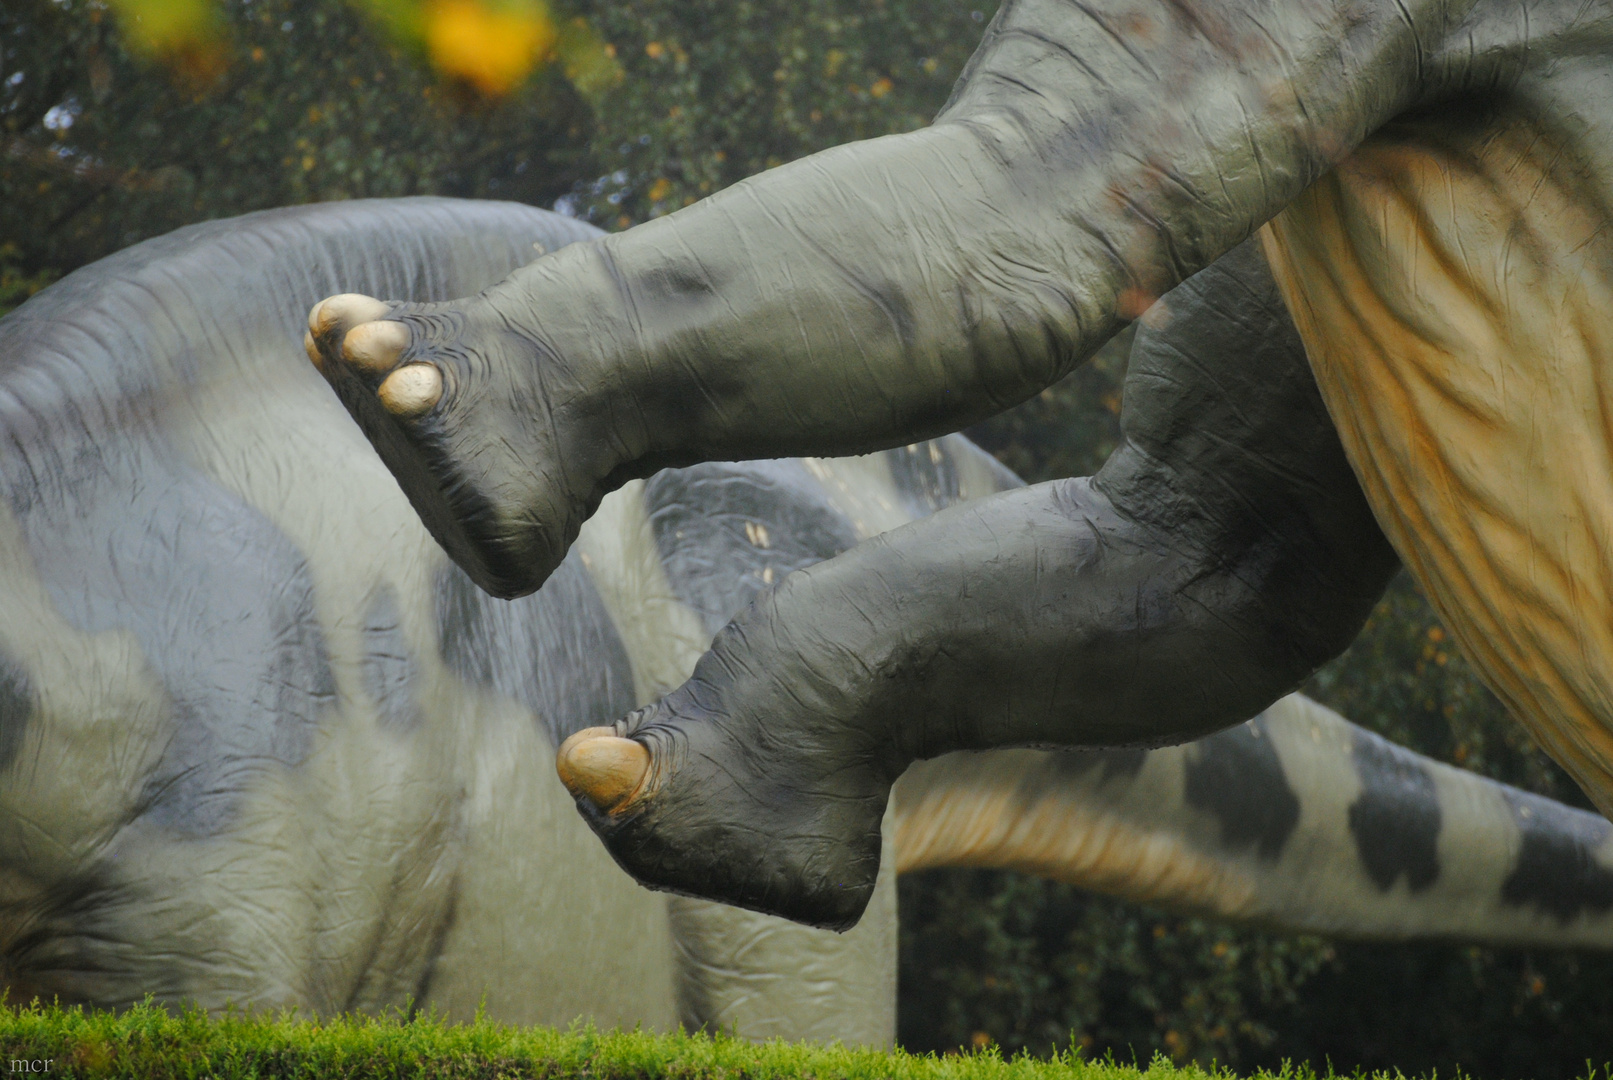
410	391
595	764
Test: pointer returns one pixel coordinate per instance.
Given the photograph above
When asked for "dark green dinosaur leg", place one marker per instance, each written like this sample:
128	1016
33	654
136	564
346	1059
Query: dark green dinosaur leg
1221	554
1093	156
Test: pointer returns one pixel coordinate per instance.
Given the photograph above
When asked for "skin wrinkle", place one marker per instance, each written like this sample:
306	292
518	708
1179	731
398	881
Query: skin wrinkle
863	289
708	397
1178	265
795	416
1030	33
1122	40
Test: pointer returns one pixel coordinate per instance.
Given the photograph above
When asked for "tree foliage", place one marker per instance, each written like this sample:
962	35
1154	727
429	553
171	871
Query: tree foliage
103	147
717	90
303	100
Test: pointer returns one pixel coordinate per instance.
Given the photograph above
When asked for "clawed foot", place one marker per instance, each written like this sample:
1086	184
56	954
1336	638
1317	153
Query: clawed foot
686	803
482	432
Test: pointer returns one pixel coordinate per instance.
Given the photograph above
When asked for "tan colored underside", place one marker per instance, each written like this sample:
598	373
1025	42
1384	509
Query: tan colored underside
1454	289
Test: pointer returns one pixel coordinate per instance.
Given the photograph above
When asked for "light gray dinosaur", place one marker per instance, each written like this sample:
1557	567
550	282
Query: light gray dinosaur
1435	178
260	741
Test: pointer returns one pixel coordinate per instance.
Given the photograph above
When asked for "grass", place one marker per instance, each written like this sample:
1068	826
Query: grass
149	1043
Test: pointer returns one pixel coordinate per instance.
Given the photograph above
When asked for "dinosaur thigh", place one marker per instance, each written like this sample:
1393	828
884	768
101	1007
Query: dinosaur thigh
1453	284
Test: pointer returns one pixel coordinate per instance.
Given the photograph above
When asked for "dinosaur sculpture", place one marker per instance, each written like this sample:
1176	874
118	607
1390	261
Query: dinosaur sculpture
1434	175
261	742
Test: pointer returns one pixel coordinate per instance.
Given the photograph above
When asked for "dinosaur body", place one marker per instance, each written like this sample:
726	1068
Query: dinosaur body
1451	282
261	742
1436	176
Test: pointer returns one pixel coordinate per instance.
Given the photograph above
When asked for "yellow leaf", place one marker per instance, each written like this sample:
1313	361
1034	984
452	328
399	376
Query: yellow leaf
493	49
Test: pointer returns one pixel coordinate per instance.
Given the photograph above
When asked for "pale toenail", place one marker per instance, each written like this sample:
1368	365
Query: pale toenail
375	346
411	391
312	350
601	767
345	309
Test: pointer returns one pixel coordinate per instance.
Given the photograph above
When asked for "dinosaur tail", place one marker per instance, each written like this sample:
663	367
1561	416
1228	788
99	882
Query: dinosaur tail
1298	820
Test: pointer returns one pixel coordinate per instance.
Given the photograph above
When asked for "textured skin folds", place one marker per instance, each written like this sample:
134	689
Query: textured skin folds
262	743
244	765
895	289
1093	156
1221	554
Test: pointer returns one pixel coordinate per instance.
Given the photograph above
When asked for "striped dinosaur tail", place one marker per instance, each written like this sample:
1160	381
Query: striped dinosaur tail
1297	819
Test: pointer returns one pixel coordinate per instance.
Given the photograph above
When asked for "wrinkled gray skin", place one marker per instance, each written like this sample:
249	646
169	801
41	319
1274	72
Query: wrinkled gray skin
1092	157
261	743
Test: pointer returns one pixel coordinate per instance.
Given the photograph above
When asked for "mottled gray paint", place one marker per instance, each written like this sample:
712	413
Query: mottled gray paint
843	304
16	709
1557	871
704	517
1237	776
126	537
1396	818
556	651
715	564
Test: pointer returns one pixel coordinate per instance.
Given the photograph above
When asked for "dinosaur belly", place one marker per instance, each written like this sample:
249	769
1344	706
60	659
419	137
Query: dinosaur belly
1454	289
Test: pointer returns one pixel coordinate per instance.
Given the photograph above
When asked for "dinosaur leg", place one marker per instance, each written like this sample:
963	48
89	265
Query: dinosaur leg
885	291
1220	555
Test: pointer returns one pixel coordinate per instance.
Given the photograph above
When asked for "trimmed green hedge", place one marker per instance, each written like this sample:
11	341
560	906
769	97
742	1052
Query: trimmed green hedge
149	1043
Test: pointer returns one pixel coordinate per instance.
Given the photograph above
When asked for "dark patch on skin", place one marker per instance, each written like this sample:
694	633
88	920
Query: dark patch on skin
86	942
1058	768
1557	871
1396	819
1237	776
439	939
16	709
556	651
926	476
127	537
386	667
708	522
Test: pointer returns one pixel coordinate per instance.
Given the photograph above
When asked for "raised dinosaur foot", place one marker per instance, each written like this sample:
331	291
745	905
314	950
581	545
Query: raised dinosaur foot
470	416
719	809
